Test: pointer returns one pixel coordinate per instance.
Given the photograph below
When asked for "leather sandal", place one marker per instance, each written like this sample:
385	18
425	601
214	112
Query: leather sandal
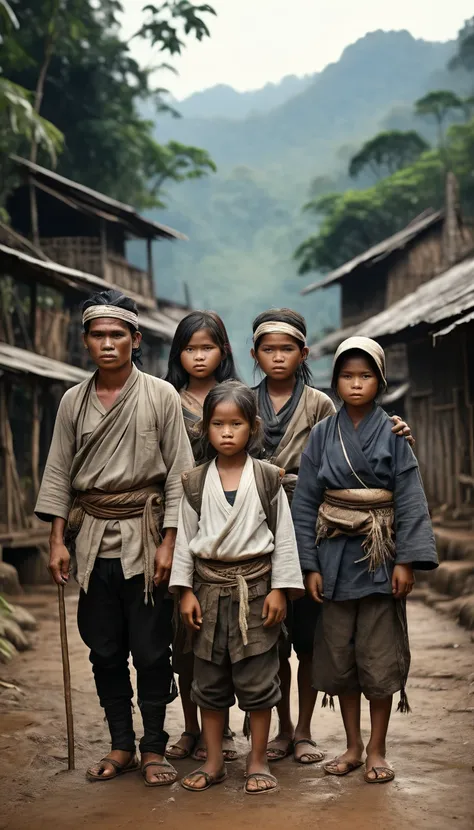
160	766
266	777
184	753
379	779
211	780
320	755
350	766
118	769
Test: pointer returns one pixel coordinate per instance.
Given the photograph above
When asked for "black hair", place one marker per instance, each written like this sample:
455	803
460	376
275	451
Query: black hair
285	315
114	298
189	325
357	353
246	400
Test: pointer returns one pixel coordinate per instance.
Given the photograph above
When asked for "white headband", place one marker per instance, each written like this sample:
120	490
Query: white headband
95	311
275	327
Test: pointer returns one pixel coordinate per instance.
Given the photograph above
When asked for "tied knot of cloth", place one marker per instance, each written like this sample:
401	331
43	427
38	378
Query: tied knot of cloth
360	512
220	574
144	502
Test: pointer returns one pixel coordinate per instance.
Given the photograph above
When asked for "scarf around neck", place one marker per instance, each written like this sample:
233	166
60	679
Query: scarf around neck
275	424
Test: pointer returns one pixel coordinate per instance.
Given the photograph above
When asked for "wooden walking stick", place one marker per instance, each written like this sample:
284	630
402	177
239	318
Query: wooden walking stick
66	678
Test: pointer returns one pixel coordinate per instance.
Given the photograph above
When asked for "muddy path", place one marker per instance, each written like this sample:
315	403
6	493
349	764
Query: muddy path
432	751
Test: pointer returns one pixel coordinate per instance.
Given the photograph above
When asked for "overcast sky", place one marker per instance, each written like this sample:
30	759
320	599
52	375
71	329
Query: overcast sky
256	41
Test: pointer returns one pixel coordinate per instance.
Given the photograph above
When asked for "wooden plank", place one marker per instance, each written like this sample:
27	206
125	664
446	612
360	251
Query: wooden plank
103	249
35	437
25	538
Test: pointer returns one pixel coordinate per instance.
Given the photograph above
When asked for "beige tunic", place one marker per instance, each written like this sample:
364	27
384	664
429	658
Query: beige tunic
313	407
140	441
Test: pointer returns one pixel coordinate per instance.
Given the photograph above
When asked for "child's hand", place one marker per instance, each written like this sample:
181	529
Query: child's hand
314	586
274	608
190	610
403	581
402	429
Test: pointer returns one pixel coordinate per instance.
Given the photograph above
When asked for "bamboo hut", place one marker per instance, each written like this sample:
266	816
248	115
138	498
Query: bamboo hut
435	325
384	274
80	249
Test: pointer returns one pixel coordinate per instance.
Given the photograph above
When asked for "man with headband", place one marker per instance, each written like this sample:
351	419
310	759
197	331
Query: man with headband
111	488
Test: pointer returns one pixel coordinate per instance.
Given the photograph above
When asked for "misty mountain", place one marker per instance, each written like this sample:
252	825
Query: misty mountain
245	222
222	101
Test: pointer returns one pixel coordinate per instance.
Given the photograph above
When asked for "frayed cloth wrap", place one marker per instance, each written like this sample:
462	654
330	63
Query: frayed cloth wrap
360	512
147	502
275	327
367	345
96	311
229	575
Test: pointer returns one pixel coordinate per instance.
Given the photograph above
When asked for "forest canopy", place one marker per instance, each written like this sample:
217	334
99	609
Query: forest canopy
410	176
77	73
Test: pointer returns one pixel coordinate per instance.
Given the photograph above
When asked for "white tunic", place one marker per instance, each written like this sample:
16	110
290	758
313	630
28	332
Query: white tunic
234	533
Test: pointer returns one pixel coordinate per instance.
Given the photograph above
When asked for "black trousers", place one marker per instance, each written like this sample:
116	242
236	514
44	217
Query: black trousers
114	621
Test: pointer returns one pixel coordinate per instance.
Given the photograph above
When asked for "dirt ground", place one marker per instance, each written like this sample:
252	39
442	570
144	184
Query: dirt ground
432	751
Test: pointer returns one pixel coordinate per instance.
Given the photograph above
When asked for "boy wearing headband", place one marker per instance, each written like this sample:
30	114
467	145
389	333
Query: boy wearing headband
111	489
362	526
289	407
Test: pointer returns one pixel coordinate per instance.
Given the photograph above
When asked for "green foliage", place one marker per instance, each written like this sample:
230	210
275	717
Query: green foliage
164	23
387	152
93	88
357	219
439	105
352	221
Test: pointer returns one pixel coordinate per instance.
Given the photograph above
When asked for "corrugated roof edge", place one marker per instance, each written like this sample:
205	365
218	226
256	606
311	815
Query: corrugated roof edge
448	296
392	243
24	362
95	195
162	325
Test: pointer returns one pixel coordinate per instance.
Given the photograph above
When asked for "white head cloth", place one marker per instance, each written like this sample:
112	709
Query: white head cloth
275	327
367	345
95	311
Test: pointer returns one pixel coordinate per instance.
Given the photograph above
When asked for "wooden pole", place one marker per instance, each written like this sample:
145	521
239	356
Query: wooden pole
66	678
35	438
149	260
33	307
103	249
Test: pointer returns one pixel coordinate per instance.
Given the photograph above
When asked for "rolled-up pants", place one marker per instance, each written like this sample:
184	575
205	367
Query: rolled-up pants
114	621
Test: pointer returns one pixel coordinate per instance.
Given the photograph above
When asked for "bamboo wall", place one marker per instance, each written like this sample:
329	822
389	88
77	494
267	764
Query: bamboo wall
441	412
85	254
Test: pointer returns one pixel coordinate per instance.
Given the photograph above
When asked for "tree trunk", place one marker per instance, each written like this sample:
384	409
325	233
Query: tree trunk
39	92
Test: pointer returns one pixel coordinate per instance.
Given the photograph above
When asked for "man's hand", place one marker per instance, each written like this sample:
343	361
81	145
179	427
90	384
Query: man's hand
314	585
402	430
164	557
59	561
274	608
403	581
190	609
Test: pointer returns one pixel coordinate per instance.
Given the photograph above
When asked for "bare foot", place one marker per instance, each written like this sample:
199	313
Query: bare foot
280	747
259	777
162	773
350	760
228	748
104	770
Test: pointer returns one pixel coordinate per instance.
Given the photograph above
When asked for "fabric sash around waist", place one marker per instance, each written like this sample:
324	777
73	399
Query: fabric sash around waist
360	512
145	502
219	574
